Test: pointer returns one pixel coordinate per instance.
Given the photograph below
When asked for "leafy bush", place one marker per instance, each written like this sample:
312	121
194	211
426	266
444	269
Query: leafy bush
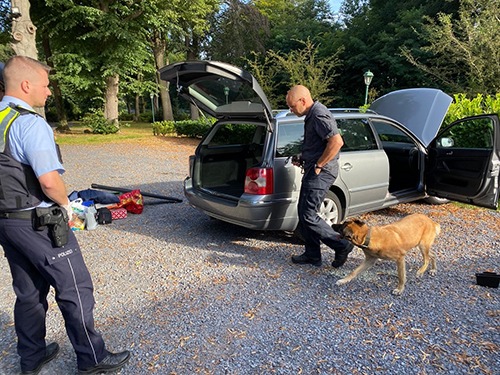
463	107
477	134
163	127
188	128
125	116
99	124
193	128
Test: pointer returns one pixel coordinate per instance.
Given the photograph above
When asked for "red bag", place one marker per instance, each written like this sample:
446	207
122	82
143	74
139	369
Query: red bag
132	201
118	213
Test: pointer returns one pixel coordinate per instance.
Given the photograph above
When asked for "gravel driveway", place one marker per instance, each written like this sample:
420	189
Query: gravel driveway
191	295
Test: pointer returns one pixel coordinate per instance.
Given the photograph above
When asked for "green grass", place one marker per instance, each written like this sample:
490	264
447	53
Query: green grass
128	131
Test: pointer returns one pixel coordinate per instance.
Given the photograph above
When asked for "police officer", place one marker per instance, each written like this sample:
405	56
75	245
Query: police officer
30	183
320	153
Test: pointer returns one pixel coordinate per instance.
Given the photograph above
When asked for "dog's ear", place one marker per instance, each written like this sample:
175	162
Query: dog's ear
347	232
358	222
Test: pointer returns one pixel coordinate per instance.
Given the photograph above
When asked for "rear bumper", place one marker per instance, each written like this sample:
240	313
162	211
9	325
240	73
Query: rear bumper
258	212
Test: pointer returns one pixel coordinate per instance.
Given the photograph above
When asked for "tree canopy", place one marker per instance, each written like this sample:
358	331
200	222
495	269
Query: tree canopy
106	53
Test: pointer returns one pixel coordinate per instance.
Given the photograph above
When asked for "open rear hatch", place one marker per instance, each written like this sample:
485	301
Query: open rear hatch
222	90
235	143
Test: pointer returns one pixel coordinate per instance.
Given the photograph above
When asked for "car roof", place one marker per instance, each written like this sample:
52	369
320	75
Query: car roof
421	111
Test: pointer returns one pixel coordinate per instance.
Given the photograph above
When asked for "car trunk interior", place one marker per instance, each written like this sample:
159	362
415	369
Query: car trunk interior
222	169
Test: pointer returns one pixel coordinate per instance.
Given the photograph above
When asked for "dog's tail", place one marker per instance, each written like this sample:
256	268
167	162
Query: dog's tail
437	227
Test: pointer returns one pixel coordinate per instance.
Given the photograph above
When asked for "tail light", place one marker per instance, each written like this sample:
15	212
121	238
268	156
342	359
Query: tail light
259	181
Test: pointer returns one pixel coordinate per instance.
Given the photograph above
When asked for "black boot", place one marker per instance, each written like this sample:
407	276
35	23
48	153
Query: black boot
113	362
341	255
305	259
50	353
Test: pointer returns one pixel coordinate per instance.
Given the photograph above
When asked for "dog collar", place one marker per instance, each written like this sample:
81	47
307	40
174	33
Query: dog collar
367	239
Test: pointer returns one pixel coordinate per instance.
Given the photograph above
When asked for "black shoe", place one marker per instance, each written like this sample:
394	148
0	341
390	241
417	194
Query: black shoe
341	256
51	351
304	259
113	362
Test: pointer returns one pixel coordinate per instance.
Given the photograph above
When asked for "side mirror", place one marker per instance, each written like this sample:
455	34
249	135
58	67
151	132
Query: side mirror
445	142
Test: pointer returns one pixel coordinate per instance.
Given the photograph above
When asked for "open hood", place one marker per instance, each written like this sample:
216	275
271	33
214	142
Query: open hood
220	89
420	110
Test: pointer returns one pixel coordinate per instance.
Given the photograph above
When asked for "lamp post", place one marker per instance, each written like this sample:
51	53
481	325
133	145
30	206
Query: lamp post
368	76
152	105
226	92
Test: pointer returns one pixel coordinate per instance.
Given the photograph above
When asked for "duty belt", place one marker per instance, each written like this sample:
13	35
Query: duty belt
24	215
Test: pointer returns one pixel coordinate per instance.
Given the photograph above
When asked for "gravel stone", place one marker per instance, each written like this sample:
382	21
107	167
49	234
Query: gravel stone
188	294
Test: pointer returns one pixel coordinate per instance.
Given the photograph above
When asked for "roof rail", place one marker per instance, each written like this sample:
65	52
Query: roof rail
282	113
351	110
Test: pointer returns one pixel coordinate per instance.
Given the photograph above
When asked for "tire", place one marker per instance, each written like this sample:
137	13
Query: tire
330	210
436	200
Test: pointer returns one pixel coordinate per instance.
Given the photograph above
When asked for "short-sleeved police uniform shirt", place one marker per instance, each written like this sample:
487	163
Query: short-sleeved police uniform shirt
31	140
319	125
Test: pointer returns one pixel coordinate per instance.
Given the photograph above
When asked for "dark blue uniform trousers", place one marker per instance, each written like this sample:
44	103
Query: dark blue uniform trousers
35	266
313	228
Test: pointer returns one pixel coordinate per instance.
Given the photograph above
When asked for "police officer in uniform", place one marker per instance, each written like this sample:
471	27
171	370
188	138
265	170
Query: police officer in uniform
320	154
40	249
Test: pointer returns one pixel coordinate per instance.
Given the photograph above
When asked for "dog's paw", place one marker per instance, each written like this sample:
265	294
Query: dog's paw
341	282
397	292
433	272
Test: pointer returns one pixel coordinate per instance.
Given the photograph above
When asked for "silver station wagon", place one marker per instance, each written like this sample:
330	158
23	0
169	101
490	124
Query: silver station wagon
242	173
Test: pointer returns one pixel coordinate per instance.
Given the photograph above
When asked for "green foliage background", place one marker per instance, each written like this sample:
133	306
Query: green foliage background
453	45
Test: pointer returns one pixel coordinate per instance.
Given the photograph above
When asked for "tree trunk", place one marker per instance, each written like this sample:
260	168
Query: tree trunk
159	51
24	34
137	108
111	98
23	30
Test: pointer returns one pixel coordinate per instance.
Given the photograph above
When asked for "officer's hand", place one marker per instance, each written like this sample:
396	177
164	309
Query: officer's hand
69	210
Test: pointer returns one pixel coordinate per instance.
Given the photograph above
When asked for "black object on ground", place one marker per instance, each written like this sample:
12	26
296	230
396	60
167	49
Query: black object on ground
144	194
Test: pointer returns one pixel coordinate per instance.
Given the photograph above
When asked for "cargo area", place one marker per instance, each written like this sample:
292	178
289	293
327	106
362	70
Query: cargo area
223	169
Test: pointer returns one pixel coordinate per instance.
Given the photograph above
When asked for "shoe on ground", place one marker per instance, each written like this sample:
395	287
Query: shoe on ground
51	351
304	259
341	256
113	362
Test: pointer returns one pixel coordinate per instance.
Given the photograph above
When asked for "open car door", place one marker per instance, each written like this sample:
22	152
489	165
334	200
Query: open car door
464	162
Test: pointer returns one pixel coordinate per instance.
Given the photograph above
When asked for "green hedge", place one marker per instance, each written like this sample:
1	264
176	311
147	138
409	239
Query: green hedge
187	128
464	107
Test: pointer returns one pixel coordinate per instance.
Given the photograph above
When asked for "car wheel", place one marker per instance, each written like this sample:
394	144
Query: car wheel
436	200
330	211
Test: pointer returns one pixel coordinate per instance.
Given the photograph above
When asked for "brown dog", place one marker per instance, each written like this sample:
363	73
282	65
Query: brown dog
392	242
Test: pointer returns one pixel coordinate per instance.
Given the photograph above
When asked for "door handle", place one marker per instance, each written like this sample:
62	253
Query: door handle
347	167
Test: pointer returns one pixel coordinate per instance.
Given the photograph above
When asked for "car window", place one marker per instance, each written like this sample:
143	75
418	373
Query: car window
238	134
290	138
357	135
474	133
389	133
